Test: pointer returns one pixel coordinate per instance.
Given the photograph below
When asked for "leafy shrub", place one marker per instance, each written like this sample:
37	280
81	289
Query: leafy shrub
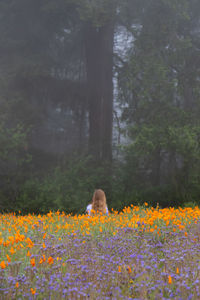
69	188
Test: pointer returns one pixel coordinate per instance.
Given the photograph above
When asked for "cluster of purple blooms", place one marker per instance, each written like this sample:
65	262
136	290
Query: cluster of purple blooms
129	265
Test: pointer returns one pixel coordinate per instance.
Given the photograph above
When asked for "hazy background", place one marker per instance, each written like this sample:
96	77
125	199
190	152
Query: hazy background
99	94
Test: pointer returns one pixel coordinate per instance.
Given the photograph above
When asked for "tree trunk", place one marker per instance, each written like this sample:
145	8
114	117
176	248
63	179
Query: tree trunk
99	68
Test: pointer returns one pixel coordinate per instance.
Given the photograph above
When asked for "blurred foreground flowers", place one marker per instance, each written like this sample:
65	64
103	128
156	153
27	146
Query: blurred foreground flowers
141	252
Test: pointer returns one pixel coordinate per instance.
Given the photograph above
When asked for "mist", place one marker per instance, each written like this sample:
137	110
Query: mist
99	95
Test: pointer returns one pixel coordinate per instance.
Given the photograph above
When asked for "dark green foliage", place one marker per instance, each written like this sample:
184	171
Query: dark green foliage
56	99
159	87
68	188
14	163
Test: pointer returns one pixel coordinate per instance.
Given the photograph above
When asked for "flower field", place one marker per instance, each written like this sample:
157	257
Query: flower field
140	253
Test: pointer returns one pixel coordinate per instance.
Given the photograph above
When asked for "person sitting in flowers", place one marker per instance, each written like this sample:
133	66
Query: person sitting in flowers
98	203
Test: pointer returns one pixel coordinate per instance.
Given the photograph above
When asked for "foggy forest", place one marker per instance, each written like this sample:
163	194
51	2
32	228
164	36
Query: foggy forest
99	94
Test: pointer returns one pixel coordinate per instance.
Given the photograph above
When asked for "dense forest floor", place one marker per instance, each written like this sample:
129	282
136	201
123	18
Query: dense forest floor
139	253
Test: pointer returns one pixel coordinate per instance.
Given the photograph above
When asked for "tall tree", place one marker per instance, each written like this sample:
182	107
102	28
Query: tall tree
55	42
98	33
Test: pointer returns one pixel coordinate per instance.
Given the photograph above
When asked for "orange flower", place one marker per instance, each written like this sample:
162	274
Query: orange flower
17	285
33	291
30	244
2	264
177	270
129	269
8	258
28	253
169	279
12	251
41	261
50	260
32	261
119	269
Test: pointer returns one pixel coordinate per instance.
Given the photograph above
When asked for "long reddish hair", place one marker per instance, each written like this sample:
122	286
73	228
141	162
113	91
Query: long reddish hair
99	201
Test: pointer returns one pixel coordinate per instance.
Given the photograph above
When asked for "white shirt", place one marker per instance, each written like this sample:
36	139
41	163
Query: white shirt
89	208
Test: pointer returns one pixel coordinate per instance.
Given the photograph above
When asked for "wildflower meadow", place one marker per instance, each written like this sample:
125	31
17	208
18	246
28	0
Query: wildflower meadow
139	253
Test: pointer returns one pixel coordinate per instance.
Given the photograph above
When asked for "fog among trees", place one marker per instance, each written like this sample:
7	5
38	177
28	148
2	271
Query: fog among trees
99	94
